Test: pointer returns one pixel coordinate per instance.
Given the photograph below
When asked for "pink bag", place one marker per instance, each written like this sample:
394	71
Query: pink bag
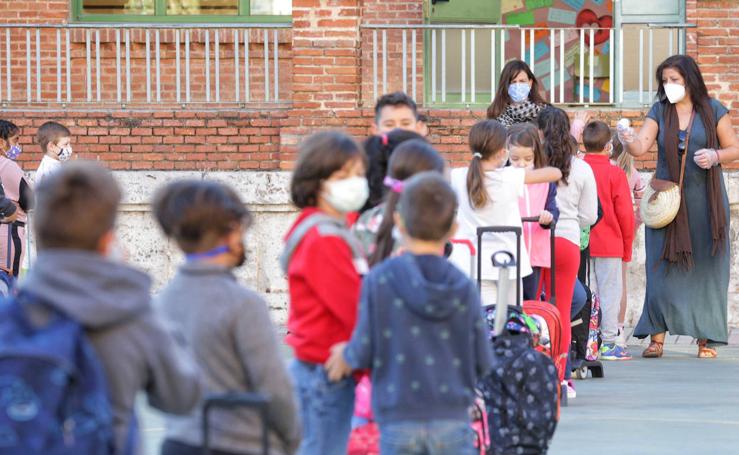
363	399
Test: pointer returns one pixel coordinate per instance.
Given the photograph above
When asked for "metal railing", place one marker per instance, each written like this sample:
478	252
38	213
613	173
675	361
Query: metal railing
141	64
566	60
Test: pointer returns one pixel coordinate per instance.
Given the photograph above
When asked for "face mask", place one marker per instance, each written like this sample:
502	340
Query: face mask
519	91
347	195
14	152
674	92
65	153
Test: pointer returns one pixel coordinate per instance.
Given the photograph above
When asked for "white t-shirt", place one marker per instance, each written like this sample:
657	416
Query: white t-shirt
504	186
47	167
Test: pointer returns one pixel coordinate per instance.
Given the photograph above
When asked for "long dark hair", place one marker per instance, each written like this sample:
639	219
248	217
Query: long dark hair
502	99
487	138
527	135
410	158
559	145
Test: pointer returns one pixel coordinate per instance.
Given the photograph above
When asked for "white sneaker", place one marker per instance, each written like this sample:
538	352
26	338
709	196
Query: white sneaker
571	393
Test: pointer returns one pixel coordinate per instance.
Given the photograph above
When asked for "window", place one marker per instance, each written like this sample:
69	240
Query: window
183	10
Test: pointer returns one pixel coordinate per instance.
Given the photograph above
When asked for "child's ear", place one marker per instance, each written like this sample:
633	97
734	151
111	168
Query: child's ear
453	230
374	129
105	243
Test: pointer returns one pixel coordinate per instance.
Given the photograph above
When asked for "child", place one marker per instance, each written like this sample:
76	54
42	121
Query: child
324	264
54	140
74	223
227	324
375	229
626	162
393	111
518	99
488	193
538	200
421	331
611	239
18	190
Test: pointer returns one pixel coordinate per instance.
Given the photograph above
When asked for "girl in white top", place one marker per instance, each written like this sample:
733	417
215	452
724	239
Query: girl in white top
488	195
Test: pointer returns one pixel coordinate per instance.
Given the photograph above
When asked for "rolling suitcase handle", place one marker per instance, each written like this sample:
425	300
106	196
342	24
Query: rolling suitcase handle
470	246
552	228
234	400
499	230
503	260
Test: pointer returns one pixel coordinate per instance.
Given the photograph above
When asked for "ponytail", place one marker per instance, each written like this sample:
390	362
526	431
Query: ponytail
385	242
487	138
476	190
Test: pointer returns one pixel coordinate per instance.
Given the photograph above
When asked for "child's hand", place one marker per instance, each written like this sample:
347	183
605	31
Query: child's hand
583	116
545	218
11	219
336	366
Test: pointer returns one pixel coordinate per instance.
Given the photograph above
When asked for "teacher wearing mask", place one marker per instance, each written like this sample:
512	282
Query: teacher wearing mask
688	261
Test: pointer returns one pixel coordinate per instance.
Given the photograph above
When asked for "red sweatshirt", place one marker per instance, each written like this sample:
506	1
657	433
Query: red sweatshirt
324	289
613	236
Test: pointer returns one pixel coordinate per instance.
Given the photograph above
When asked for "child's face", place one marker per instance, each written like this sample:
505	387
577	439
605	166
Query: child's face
9	143
353	168
61	150
392	117
521	157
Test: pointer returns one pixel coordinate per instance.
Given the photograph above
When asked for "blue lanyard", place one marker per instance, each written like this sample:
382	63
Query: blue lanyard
207	254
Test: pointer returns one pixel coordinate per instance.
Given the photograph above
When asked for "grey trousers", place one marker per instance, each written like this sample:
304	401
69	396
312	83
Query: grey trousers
606	280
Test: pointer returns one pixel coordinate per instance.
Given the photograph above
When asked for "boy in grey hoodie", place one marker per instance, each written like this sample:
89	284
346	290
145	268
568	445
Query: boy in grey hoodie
74	225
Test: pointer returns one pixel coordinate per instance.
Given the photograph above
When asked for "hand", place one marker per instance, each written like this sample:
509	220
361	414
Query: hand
336	366
546	218
583	116
11	218
626	135
706	158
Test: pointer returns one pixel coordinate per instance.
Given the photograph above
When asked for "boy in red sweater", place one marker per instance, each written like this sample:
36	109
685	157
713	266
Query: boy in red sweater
324	265
612	237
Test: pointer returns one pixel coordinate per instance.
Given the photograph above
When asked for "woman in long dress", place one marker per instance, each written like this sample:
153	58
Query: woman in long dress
688	261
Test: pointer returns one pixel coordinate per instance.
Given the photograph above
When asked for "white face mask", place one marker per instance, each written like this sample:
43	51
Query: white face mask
675	92
347	195
65	153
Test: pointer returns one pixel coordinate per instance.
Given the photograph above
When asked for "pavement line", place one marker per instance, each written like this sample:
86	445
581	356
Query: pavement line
671	420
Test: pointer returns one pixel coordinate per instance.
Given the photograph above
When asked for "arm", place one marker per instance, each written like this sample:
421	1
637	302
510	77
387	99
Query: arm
644	140
25	199
578	125
543	175
358	352
587	206
551	205
483	351
729	151
624	211
7	208
257	347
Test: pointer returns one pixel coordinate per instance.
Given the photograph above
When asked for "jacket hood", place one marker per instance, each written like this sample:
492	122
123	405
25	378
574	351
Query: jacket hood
88	287
429	286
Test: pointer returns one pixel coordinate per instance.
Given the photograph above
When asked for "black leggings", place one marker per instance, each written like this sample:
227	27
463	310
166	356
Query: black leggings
172	447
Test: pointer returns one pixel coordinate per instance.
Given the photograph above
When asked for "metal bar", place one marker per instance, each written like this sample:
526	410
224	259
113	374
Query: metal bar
374	64
28	65
97	64
88	66
440	26
384	61
561	66
443	65
58	68
247	82
178	26
69	68
611	53
621	65
128	65
266	66
641	65
492	65
9	90
148	67
651	61
118	65
217	51
523	44
275	58
502	48
433	66
207	66
592	63
464	66
672	38
405	61
237	76
177	64
187	66
582	65
532	54
472	65
552	46
158	67
38	65
413	62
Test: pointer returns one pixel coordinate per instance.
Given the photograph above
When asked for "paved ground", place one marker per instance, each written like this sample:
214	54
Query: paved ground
675	405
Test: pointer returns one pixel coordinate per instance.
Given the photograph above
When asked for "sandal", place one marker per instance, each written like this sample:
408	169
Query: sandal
654	351
704	352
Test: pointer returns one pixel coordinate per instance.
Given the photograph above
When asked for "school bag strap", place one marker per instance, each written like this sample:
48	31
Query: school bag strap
327	227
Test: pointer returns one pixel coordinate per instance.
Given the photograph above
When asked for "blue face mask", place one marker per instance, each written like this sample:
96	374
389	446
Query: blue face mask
14	152
519	91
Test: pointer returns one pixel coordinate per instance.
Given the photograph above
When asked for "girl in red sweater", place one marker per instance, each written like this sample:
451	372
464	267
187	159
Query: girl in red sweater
324	265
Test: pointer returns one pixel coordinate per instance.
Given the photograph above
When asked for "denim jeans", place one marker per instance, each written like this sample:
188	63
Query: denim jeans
325	409
435	437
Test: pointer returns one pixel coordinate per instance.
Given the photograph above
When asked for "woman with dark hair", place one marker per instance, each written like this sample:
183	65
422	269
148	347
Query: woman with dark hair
518	99
688	261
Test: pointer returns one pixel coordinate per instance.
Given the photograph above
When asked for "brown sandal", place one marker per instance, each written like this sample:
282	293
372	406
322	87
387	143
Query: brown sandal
654	351
704	352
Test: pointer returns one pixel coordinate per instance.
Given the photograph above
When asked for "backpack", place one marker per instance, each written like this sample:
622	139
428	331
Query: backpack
53	393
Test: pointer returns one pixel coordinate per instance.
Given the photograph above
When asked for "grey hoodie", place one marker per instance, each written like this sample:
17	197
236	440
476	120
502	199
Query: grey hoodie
112	302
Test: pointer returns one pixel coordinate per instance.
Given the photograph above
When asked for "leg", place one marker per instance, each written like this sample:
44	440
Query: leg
450	437
403	438
607	272
531	285
624	297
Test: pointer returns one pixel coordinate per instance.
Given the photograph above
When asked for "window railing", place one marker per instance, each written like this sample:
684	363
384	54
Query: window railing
130	65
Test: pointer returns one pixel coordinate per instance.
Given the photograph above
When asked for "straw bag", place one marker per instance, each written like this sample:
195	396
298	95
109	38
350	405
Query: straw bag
661	200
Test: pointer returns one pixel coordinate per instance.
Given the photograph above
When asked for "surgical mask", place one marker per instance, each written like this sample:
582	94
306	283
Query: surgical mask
65	153
675	92
14	152
519	91
347	195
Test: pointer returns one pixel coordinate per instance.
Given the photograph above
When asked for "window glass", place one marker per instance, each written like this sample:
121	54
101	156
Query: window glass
271	7
118	6
203	7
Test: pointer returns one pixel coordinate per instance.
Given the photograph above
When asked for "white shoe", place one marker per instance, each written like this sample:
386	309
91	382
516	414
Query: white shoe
571	393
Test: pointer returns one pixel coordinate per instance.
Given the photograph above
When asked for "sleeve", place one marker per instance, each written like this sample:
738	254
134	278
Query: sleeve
257	347
624	210
333	277
358	353
576	129
719	110
516	177
7	207
655	113
483	350
25	199
587	208
551	204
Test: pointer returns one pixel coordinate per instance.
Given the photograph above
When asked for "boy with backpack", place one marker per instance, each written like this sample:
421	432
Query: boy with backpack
421	331
86	324
611	239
